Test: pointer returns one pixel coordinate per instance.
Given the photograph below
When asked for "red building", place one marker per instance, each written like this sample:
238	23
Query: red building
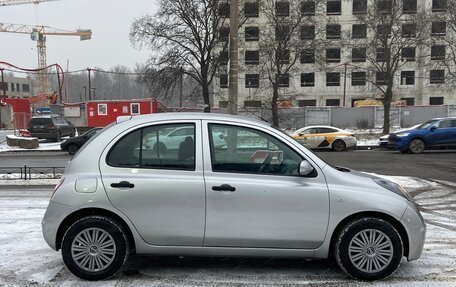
102	113
20	111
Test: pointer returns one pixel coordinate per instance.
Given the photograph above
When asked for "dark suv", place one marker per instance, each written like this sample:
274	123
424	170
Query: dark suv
51	127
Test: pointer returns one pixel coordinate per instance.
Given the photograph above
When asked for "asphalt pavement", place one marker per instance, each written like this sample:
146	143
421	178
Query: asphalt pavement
439	165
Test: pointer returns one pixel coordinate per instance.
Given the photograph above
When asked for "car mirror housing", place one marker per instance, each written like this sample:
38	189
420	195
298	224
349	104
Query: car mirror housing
305	168
433	128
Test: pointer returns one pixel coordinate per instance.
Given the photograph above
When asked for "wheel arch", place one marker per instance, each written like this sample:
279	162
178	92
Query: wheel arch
73	217
388	218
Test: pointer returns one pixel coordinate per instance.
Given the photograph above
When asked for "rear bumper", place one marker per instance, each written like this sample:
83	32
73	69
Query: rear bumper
55	214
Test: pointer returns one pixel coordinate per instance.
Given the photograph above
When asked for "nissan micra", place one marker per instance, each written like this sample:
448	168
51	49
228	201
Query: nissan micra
260	194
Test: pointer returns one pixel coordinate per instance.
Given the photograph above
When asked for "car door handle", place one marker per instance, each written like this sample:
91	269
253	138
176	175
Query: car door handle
224	187
123	184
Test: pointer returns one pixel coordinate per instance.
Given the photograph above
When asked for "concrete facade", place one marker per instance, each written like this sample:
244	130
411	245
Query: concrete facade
17	87
421	92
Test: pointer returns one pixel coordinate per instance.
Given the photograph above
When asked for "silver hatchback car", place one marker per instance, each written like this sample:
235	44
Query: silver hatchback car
259	193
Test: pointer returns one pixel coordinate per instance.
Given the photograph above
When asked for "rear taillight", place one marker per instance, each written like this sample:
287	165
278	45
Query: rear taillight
58	185
50	127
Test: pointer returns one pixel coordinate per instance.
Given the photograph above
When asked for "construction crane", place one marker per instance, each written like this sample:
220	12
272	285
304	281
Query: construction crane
38	34
20	2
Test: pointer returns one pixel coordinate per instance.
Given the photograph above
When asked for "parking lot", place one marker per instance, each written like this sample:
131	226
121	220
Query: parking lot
25	259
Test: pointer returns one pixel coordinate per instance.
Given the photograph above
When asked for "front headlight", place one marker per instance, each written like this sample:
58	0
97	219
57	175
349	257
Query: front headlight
402	134
396	188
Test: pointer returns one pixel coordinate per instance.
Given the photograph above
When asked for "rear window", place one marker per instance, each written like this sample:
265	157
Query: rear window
40	121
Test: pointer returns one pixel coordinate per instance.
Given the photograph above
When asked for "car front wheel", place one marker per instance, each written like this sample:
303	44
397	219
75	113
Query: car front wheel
369	249
417	146
94	248
339	145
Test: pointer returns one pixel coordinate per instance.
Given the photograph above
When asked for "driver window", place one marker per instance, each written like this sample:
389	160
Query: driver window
444	124
246	150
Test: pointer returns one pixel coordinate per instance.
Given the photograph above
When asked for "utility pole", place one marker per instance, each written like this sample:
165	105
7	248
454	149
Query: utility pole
345	82
181	88
234	54
90	85
4	96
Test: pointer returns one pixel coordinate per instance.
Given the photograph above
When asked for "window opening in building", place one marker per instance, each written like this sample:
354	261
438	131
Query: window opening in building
252	57
358	55
407	78
437	77
252	80
307	79
358	78
333	55
332	79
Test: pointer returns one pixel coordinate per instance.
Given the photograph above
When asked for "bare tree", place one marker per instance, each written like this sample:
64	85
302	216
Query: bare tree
183	33
289	31
444	34
165	85
394	32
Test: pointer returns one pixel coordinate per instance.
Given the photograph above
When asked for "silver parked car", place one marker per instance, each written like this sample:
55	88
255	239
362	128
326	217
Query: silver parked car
261	194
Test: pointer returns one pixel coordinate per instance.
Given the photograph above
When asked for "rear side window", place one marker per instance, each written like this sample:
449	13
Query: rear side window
157	147
326	130
59	121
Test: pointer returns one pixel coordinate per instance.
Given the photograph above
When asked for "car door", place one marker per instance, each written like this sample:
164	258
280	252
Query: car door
440	133
254	194
161	194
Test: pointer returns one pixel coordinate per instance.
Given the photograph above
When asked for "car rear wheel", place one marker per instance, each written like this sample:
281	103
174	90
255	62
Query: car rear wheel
73	148
94	248
417	146
339	145
369	249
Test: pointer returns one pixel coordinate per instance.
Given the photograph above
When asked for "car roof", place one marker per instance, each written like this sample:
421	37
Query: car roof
446	118
191	116
45	116
322	126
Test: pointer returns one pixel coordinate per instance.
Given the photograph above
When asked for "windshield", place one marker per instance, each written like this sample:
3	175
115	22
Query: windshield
426	124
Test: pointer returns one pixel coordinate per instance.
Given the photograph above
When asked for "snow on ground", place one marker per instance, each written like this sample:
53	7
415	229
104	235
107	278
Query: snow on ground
26	260
45	145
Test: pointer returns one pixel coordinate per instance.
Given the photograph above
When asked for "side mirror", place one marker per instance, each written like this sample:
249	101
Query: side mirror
433	128
305	168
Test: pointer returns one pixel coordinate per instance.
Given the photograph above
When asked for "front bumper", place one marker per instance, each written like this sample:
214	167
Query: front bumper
416	231
53	218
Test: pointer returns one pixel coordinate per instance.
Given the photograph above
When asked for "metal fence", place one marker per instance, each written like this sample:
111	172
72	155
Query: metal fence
362	117
29	172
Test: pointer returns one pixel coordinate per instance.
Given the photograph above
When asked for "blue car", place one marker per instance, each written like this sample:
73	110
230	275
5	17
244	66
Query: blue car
435	133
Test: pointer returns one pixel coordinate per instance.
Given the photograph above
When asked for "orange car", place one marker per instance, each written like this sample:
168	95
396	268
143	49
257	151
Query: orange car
327	137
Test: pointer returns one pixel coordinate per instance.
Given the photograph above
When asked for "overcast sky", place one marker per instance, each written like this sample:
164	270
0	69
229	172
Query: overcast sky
110	21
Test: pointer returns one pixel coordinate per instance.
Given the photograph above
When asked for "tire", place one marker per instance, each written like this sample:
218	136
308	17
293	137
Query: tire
338	145
58	138
73	148
417	146
85	260
359	258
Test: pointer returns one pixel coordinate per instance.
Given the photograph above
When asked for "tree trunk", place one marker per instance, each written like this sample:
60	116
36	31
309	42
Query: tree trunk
386	110
207	104
274	108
